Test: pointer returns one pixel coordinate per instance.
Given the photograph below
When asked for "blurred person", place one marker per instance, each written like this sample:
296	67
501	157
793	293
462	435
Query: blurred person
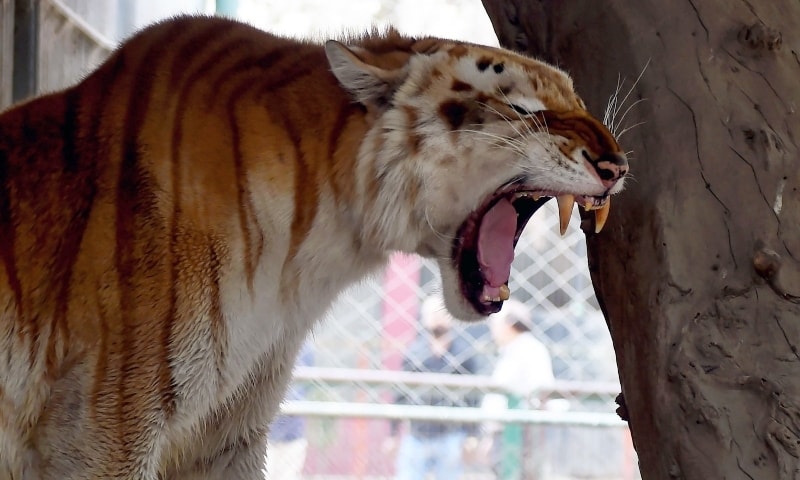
523	368
430	446
286	441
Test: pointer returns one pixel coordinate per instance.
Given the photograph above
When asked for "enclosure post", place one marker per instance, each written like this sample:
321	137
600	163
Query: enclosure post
228	8
26	49
6	51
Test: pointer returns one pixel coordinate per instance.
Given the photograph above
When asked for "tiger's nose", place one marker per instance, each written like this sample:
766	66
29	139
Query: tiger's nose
611	167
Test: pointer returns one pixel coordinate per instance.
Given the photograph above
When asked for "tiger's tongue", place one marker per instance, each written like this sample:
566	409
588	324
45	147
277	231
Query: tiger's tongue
496	243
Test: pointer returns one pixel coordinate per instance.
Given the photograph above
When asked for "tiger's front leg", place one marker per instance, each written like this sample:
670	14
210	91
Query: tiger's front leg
248	461
87	427
233	441
99	456
242	459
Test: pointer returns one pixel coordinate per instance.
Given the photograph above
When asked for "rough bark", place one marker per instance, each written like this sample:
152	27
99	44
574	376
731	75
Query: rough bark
697	269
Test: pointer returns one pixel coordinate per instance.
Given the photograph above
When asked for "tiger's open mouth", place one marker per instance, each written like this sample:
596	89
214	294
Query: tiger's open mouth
484	246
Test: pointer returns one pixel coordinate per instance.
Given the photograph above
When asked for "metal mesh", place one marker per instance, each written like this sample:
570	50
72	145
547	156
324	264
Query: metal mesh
549	274
357	373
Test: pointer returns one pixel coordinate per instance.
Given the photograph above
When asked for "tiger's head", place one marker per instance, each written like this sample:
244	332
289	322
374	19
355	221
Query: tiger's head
465	143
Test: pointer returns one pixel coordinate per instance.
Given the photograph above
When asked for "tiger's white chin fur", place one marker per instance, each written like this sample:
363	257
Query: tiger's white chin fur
454	299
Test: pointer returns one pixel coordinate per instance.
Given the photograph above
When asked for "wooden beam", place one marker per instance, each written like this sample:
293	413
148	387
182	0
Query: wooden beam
26	46
6	51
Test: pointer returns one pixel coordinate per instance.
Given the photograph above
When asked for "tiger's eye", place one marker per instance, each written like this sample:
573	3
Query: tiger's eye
520	110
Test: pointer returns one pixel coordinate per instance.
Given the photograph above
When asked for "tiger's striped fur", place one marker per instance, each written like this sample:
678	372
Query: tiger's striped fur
172	226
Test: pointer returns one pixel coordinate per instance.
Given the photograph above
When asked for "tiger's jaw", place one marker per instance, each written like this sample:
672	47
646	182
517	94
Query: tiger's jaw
477	274
483	249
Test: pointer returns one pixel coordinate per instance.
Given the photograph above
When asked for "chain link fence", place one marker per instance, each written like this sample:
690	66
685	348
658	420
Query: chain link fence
351	391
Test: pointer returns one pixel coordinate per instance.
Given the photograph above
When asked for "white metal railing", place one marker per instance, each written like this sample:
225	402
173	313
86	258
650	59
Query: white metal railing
485	383
391	378
450	414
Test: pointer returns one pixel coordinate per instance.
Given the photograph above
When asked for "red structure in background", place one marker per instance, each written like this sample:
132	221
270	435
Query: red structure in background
357	450
400	307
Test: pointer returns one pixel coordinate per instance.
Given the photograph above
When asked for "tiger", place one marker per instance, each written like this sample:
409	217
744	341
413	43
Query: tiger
174	224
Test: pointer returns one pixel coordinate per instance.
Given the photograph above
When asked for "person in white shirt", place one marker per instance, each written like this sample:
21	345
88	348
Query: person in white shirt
523	368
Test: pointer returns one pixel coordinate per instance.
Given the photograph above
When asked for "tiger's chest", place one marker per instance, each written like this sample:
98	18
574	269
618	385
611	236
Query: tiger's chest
224	398
234	359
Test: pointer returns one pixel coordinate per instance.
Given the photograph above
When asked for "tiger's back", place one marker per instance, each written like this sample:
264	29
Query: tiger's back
172	226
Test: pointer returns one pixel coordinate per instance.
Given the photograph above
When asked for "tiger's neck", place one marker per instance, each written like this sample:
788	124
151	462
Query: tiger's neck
314	199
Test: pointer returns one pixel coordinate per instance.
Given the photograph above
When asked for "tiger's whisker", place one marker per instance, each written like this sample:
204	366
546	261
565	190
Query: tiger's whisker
625	130
630	90
625	113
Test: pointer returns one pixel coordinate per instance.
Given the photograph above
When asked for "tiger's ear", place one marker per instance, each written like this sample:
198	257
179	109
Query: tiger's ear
369	83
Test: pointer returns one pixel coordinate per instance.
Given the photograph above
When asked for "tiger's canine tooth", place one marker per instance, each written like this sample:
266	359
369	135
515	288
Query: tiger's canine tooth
565	205
601	215
505	292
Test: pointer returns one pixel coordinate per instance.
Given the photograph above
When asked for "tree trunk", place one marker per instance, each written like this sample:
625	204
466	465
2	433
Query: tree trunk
697	269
